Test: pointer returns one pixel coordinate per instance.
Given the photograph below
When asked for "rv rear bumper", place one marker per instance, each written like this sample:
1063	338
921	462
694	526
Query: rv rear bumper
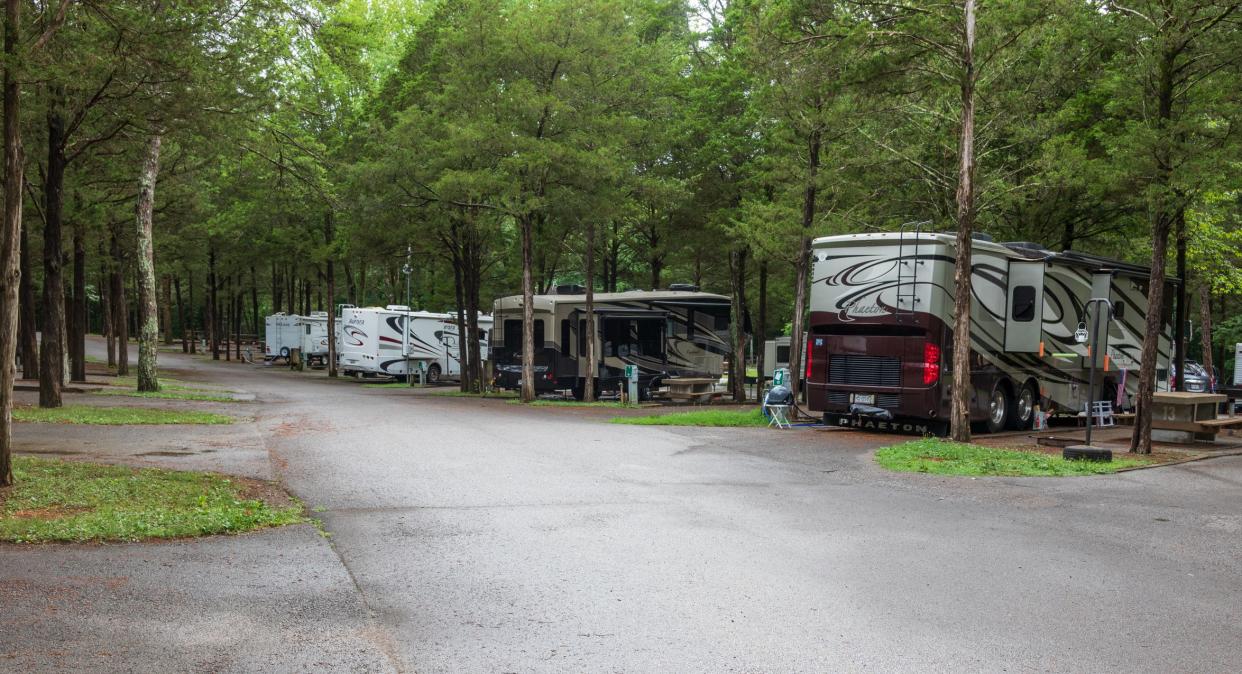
885	423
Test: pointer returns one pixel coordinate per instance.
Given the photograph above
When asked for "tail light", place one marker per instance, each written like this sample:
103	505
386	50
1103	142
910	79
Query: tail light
931	363
810	359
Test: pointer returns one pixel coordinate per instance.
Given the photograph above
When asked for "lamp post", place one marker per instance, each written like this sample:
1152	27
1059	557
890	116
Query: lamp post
408	270
1097	347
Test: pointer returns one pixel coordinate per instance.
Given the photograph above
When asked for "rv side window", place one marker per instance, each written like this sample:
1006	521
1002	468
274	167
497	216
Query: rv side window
308	328
1024	304
782	354
690	324
513	336
1119	310
582	337
565	337
722	320
538	333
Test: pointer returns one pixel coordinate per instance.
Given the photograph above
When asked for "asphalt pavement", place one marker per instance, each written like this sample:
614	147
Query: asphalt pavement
478	535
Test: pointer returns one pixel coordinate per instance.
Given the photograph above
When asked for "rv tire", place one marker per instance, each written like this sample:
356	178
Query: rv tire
1022	412
433	374
999	406
284	352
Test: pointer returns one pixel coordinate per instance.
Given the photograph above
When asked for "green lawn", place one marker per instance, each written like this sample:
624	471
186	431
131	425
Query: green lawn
169	394
455	393
389	384
115	416
70	501
572	403
729	418
942	457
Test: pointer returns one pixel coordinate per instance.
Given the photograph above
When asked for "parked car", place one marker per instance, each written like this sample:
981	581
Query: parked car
1197	379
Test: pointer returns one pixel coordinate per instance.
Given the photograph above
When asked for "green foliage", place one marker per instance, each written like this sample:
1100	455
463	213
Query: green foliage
115	416
79	502
942	457
704	417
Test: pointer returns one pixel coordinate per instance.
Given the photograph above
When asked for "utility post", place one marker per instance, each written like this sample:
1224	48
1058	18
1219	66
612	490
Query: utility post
408	270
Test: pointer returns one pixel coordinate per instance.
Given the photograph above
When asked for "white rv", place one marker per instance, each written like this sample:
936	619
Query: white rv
371	342
881	331
282	333
285	332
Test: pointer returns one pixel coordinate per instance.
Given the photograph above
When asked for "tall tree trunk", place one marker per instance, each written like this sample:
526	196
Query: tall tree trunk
52	344
105	308
737	330
351	288
362	283
959	414
213	333
1205	329
78	326
761	330
29	327
10	251
802	267
239	312
193	326
528	312
474	272
120	307
588	388
185	344
330	236
226	327
1180	316
457	259
166	307
254	301
277	292
148	307
1168	209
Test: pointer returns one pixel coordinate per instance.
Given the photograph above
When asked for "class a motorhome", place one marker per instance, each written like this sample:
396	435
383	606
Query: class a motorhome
880	340
370	342
679	332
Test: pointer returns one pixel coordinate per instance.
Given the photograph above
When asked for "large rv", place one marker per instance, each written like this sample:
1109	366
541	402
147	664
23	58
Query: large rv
666	333
285	332
371	342
880	339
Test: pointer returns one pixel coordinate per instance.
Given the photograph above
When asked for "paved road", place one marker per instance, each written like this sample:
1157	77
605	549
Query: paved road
483	536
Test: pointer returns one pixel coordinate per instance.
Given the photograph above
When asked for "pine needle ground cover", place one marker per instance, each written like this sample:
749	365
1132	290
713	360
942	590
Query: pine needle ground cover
115	416
56	500
733	418
943	457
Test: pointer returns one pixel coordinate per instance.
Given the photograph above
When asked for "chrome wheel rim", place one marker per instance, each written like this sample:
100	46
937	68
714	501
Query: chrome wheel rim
1026	404
998	407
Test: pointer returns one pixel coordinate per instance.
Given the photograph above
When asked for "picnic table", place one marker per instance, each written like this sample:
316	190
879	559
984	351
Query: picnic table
1192	413
695	389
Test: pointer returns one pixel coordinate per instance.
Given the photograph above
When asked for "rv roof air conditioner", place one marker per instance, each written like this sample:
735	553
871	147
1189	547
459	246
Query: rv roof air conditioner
981	236
569	289
684	287
397	307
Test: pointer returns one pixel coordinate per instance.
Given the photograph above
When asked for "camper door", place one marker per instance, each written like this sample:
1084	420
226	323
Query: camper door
1024	313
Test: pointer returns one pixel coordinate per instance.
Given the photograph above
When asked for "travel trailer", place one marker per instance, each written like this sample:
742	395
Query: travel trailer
282	334
371	342
666	333
880	339
314	337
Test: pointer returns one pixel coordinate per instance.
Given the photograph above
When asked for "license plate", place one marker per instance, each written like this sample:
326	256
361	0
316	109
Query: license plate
863	398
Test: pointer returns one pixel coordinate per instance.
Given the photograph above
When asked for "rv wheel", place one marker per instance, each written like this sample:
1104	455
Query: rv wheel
284	352
433	374
1023	413
998	409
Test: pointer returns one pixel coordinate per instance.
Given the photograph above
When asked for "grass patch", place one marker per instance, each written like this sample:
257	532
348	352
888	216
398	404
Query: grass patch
390	384
69	501
486	394
723	418
572	403
942	457
170	394
115	416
